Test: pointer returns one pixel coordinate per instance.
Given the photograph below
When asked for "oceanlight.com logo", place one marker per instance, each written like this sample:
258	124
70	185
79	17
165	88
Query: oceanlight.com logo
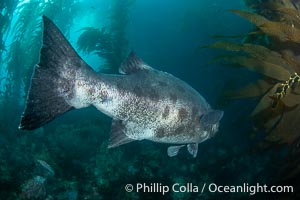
251	189
212	187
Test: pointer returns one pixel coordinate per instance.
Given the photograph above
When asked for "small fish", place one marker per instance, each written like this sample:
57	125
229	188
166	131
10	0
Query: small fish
47	167
144	103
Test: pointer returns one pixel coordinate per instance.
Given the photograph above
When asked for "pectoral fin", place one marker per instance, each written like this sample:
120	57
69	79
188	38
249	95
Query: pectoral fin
173	150
117	135
193	149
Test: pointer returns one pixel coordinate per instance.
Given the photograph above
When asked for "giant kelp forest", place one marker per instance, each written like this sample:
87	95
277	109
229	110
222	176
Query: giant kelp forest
69	159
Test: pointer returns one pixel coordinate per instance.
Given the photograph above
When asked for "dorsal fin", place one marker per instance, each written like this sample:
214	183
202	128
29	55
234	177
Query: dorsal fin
133	64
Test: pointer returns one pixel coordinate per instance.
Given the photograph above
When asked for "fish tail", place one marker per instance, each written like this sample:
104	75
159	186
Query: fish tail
53	79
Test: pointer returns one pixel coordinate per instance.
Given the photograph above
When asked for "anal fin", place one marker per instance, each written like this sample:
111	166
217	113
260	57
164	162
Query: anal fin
173	150
117	135
193	149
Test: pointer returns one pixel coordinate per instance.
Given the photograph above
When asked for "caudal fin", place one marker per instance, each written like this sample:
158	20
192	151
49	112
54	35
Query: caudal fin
53	79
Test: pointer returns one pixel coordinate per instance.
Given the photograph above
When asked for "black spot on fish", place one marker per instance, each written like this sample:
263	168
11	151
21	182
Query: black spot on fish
119	86
160	132
68	91
197	119
163	84
180	88
103	95
121	89
91	93
179	130
166	112
173	97
138	91
194	111
195	116
182	114
153	95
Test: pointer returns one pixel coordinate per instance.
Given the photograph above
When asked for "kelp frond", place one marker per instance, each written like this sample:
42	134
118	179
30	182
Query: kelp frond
289	16
110	42
256	58
91	39
276	58
251	90
283	31
254	18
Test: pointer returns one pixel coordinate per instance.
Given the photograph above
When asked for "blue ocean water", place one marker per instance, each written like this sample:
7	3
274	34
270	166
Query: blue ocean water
68	157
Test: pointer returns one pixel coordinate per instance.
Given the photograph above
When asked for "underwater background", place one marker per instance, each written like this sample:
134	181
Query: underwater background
241	55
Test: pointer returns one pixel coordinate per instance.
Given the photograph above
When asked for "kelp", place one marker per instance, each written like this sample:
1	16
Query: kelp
100	42
22	47
17	61
7	8
22	54
257	89
26	38
277	62
109	42
254	18
271	49
269	8
283	31
63	13
91	39
256	58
